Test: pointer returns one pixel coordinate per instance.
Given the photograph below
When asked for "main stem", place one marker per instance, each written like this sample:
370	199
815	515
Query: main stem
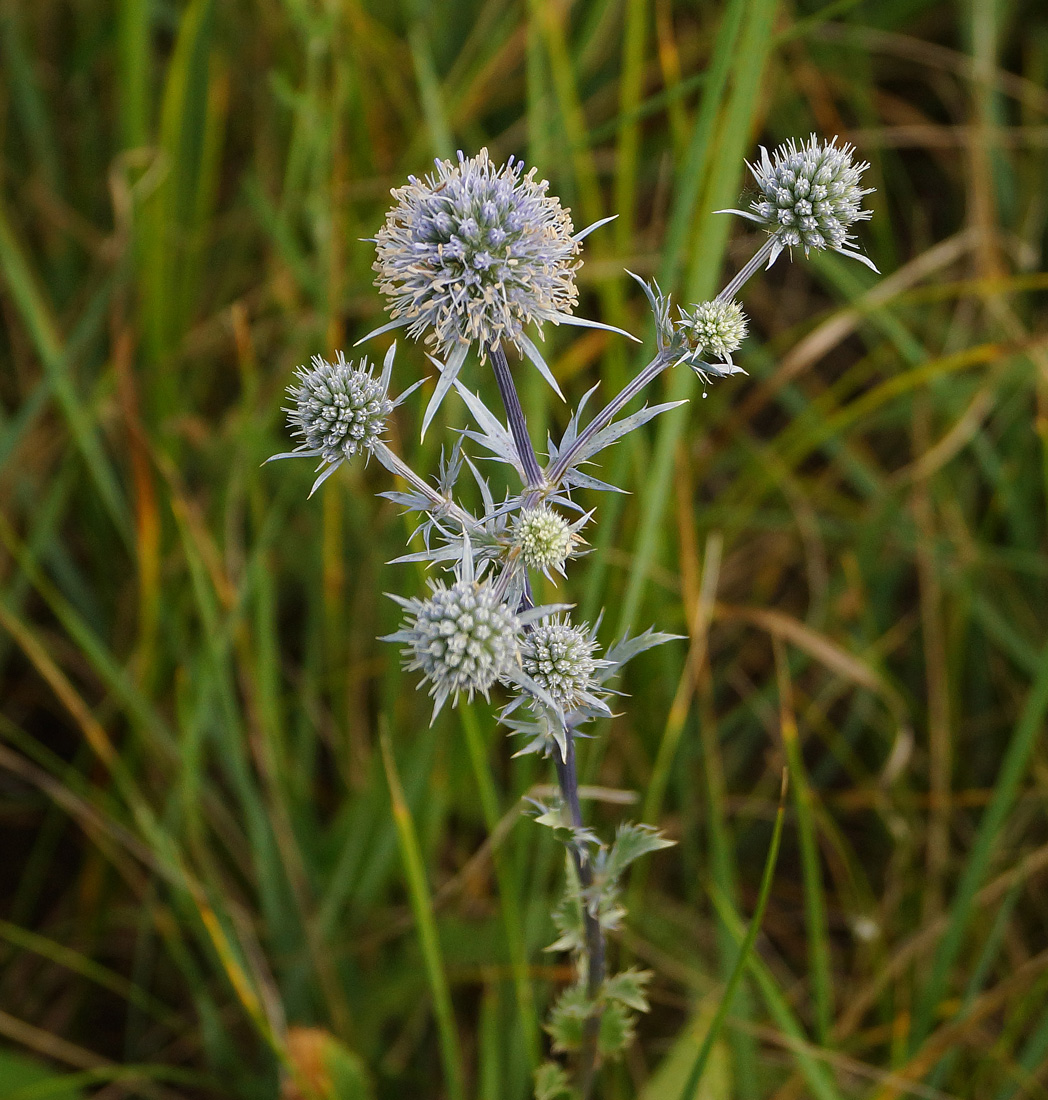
517	424
568	781
567	770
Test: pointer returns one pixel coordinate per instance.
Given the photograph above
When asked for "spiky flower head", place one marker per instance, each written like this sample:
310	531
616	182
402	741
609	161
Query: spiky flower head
810	195
716	327
544	538
476	252
339	410
462	639
561	659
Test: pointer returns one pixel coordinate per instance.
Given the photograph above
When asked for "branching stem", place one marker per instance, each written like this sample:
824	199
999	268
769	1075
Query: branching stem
749	268
607	415
442	505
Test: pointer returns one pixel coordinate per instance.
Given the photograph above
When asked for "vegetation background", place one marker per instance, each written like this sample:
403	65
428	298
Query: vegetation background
237	861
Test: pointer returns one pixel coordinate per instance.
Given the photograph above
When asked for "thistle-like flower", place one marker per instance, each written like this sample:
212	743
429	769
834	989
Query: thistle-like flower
544	538
339	410
560	658
462	639
473	253
810	196
716	327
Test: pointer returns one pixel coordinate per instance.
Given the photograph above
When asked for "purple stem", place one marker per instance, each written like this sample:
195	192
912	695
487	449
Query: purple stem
518	426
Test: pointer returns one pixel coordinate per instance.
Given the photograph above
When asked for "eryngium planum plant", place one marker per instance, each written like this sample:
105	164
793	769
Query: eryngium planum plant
469	257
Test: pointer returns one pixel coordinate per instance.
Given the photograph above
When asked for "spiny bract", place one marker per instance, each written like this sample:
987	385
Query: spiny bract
463	638
475	252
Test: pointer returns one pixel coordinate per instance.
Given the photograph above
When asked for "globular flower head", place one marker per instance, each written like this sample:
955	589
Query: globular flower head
462	639
716	327
810	195
473	252
339	410
561	659
543	538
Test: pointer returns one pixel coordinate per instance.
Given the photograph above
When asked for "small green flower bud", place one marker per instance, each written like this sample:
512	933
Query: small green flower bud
716	327
543	537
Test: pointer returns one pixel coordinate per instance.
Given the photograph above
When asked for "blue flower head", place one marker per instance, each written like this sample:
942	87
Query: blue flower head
472	254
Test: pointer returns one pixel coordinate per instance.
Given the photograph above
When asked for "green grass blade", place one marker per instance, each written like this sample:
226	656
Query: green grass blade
977	864
691	1086
43	330
811	869
817	1077
431	94
422	908
133	53
508	893
708	249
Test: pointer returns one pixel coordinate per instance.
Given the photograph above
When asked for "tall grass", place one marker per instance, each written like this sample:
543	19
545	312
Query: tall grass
239	863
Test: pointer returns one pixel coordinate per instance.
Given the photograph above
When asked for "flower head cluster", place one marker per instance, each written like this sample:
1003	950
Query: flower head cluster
716	327
560	658
475	252
544	538
810	195
462	639
339	410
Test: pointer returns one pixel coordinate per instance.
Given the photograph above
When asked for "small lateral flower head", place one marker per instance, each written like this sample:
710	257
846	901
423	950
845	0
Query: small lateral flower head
473	252
810	195
560	658
462	639
716	327
338	410
543	538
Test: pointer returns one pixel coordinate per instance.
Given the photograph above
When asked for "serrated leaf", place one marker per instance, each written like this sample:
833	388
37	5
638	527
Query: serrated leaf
631	842
552	1083
617	1029
567	1019
567	918
628	648
629	988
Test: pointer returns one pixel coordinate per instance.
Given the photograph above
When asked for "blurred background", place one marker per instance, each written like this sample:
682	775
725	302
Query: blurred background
206	856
